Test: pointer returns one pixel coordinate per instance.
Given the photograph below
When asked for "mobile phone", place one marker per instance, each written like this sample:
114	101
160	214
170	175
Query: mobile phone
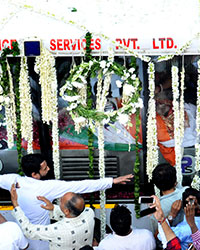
146	199
191	201
147	211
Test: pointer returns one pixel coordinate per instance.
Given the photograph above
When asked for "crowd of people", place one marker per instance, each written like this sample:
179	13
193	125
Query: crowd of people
29	195
41	224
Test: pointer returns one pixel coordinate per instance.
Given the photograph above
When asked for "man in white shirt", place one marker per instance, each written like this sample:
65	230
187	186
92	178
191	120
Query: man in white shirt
75	223
35	168
124	237
11	236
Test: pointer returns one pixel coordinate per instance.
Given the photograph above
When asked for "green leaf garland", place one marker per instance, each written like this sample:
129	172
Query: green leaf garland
4	83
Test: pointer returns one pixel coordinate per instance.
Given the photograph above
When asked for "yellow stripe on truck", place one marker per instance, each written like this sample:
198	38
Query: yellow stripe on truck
6	207
97	206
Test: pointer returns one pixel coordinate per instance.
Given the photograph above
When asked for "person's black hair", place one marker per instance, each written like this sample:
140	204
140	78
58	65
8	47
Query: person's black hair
97	230
164	177
31	163
120	220
190	191
87	247
72	205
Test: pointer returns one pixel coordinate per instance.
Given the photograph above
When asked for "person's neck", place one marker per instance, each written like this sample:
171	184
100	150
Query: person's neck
168	191
127	233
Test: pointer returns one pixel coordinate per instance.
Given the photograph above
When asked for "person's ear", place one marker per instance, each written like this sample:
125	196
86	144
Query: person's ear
35	175
66	211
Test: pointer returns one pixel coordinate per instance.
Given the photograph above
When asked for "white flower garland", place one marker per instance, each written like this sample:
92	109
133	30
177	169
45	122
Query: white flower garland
26	105
152	148
45	64
182	111
102	93
99	89
177	130
10	110
102	175
196	179
178	52
8	117
11	98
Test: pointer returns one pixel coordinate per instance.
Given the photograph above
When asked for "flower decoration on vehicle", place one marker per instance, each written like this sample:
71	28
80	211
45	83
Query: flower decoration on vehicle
8	102
177	121
45	66
74	92
7	96
196	179
26	105
152	143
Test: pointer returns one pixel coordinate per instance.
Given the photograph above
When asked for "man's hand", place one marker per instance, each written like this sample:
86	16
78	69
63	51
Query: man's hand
13	194
175	208
189	214
49	206
123	179
159	215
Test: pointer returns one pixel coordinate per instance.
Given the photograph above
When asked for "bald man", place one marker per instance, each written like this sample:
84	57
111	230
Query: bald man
73	230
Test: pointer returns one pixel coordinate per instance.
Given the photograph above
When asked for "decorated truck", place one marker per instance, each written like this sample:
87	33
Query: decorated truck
101	93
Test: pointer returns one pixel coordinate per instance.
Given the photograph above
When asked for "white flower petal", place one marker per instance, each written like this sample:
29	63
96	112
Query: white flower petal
131	70
71	98
79	119
123	118
103	64
1	99
119	83
128	89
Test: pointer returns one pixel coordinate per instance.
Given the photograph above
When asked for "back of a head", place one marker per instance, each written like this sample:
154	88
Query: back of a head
76	204
120	220
188	192
31	163
164	177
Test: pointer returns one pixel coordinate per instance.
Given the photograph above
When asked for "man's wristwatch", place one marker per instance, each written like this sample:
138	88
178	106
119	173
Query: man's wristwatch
170	218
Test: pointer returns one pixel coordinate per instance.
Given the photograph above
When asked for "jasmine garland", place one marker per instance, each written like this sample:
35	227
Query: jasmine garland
177	129
26	105
152	148
45	65
196	179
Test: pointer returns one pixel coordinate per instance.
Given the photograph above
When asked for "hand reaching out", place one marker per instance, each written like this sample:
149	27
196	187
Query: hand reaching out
49	206
123	179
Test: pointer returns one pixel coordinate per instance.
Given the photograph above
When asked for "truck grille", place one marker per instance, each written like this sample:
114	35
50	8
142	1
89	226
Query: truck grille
76	168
